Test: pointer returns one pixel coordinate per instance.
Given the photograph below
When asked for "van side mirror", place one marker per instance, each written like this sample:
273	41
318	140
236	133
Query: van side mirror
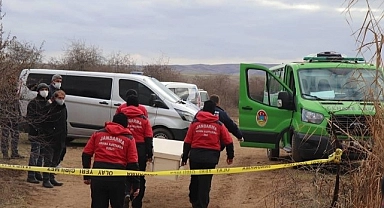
155	101
285	101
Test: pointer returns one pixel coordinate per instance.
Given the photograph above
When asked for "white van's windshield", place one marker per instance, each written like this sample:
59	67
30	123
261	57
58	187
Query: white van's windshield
170	96
341	84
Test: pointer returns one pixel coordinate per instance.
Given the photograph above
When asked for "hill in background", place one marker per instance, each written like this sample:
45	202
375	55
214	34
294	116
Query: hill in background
231	69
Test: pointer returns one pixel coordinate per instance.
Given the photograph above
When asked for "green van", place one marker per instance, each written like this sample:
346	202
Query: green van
302	106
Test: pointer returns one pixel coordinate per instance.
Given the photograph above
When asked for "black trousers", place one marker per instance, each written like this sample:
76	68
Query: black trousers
200	185
10	129
138	201
51	156
104	192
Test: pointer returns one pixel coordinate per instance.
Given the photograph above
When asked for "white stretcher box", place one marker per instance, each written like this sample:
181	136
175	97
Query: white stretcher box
166	156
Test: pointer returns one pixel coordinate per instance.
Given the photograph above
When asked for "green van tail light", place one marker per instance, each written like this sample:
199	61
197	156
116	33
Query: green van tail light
311	117
331	56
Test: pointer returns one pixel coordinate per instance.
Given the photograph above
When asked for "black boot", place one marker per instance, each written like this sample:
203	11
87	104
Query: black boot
32	180
47	184
53	180
38	176
55	183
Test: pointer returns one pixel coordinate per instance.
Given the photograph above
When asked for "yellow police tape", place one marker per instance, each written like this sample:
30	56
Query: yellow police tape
334	157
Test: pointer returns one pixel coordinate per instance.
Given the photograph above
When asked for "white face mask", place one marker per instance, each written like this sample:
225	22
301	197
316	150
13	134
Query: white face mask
57	85
59	101
43	93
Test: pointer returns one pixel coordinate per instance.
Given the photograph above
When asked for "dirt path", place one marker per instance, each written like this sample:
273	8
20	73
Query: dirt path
235	190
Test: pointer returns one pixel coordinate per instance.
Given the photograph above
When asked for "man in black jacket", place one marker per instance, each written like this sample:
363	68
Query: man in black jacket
227	121
36	114
54	131
55	85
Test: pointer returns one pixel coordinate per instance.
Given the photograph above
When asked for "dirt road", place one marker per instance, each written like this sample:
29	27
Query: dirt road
256	189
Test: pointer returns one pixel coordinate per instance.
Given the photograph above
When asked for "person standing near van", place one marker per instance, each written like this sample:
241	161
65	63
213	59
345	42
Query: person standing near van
141	130
9	121
113	147
202	146
225	119
36	114
55	85
127	94
55	133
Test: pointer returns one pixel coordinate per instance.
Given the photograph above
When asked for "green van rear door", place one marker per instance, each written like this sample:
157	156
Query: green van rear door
260	120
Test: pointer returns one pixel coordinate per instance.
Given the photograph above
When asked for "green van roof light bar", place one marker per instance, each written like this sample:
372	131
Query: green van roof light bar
331	56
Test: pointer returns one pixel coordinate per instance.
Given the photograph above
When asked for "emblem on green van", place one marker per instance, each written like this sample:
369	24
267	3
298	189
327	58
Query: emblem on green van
261	118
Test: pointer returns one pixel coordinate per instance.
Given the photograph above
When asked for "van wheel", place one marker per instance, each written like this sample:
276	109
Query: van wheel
295	150
162	133
273	154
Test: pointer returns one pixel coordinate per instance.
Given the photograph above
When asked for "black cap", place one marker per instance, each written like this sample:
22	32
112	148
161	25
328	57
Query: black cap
209	106
121	119
133	100
42	85
130	92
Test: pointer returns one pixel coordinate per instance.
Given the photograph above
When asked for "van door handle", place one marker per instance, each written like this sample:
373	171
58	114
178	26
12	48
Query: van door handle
117	104
103	102
247	108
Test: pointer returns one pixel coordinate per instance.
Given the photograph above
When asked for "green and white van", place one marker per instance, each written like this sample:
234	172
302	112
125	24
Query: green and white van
302	106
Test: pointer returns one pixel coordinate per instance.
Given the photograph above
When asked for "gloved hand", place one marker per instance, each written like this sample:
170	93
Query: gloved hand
183	160
241	140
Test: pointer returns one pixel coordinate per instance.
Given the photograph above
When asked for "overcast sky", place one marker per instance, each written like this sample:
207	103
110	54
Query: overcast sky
188	31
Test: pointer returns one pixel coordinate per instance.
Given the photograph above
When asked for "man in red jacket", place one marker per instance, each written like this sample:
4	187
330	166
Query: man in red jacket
127	94
202	145
141	130
114	148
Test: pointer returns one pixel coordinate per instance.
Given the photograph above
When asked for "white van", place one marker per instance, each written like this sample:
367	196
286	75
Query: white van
93	97
186	91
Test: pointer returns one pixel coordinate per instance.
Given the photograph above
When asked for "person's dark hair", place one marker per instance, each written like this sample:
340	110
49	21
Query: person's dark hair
130	92
209	106
121	119
215	98
133	100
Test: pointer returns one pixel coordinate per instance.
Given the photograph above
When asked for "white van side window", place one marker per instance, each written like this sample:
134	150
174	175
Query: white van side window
143	91
34	79
92	87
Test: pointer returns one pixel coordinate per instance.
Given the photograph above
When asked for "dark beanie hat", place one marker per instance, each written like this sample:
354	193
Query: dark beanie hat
132	100
121	119
209	106
130	92
42	85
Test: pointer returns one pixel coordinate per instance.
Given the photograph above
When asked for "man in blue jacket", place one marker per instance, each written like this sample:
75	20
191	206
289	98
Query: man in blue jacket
225	119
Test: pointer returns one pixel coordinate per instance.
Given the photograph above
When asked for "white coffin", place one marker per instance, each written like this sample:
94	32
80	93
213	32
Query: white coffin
167	155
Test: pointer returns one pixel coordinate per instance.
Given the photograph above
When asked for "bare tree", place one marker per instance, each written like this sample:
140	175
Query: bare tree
79	56
119	62
162	71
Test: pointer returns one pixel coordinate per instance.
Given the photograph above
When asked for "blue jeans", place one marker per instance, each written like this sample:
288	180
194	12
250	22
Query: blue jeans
35	158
